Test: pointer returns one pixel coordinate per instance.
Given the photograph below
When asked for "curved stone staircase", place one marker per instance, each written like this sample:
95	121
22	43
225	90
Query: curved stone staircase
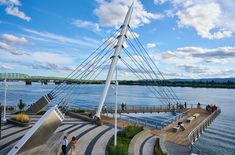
92	139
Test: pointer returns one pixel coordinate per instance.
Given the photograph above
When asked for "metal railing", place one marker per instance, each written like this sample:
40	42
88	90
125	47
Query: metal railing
174	119
139	107
197	132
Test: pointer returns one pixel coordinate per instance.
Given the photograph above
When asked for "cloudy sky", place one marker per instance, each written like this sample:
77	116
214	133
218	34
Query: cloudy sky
186	38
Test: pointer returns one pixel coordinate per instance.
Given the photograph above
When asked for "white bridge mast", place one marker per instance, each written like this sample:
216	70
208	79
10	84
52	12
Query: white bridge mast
119	46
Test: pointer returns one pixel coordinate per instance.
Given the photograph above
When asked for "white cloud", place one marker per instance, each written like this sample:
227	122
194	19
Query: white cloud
212	19
37	57
14	11
204	18
14	39
112	13
6	66
47	36
5	46
157	2
10	2
86	24
205	54
50	58
197	62
12	8
151	45
53	67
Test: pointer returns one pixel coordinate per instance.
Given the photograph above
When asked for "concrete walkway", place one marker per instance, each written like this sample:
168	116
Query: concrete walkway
100	147
148	146
173	149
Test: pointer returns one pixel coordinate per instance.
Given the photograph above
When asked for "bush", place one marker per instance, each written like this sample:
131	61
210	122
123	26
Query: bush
130	131
22	118
21	105
123	140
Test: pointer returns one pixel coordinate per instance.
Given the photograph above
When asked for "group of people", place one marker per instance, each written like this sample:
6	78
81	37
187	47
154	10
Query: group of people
65	143
211	108
178	106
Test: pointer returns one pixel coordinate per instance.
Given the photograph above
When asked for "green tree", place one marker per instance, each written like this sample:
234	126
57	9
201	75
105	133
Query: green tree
21	105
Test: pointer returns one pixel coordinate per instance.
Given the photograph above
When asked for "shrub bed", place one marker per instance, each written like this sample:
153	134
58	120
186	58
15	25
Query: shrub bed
20	120
123	140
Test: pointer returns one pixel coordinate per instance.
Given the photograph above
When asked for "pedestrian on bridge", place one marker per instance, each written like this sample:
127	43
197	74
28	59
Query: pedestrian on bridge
123	106
64	144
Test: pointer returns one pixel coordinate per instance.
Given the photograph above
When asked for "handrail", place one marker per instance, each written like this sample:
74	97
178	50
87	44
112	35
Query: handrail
174	119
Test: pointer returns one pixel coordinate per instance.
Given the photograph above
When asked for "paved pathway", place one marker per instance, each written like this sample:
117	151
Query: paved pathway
100	147
147	148
177	149
92	139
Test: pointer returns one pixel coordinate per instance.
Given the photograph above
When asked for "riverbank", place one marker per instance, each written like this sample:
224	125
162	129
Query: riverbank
190	84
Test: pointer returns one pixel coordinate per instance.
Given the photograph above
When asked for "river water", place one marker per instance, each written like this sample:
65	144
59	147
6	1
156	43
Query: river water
218	139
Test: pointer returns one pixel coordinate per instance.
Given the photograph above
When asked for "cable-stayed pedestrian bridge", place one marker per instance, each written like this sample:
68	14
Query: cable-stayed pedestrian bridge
122	48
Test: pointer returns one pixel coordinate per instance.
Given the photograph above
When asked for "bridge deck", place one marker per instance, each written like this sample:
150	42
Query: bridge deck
181	137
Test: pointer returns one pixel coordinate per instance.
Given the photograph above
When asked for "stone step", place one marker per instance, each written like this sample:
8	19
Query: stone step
101	145
84	141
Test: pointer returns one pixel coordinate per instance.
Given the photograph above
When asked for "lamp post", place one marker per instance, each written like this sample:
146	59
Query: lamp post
5	99
0	120
116	93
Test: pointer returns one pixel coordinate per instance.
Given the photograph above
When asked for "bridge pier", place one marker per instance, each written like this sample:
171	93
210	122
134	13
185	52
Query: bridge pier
28	82
44	82
57	82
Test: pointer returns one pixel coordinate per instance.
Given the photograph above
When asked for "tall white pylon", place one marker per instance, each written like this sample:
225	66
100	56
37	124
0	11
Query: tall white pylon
118	48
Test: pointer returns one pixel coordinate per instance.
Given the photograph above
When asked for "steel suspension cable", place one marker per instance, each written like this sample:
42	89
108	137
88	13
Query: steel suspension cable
87	59
140	45
89	64
141	78
145	70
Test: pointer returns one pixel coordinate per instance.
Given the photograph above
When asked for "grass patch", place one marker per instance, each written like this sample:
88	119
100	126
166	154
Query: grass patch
78	110
41	112
157	148
123	140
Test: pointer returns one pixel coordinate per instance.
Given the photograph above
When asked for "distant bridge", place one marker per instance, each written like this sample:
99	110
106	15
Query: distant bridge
29	79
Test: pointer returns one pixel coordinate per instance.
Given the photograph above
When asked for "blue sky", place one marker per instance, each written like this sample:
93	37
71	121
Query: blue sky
186	38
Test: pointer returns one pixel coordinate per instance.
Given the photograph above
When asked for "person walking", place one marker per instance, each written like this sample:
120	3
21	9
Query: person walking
73	143
64	144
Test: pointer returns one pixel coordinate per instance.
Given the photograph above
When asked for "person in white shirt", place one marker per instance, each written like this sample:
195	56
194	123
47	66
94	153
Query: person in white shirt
64	144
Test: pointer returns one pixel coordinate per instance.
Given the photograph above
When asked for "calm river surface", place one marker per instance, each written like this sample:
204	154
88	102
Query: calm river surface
219	138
